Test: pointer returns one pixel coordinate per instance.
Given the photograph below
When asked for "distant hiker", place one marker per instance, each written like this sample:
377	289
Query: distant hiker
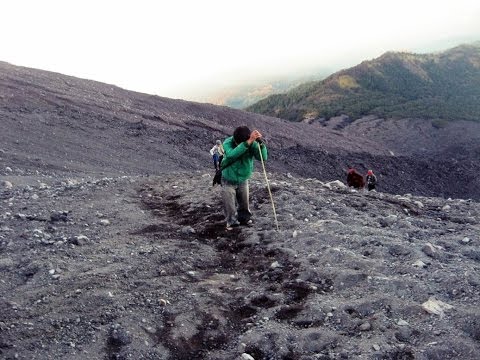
217	154
237	167
371	180
354	179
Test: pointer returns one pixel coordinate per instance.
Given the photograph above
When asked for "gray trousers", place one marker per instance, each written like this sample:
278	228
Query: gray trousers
235	198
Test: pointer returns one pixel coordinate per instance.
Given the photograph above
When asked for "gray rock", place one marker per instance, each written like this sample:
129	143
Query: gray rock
59	216
6	263
420	264
404	334
7	184
465	240
366	326
79	240
388	221
188	230
246	356
398	250
118	337
429	250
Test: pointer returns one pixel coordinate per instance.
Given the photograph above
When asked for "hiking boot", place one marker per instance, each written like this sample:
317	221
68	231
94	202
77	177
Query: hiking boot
233	225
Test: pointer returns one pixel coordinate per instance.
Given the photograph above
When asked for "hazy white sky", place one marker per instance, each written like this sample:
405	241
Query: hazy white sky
173	48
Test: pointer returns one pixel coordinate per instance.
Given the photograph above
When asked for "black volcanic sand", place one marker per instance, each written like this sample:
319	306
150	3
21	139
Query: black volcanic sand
140	267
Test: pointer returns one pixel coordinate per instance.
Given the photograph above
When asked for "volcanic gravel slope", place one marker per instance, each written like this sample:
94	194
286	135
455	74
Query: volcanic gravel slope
59	125
141	267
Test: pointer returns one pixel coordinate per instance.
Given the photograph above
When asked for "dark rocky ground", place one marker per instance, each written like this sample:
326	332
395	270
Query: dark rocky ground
142	268
112	244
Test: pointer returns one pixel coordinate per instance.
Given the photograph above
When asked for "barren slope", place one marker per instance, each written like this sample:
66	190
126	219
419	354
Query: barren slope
60	125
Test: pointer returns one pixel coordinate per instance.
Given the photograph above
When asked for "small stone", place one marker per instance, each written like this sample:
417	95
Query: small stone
7	184
6	263
419	204
246	356
366	326
163	302
150	329
59	216
388	220
465	240
295	233
79	240
419	264
105	222
188	230
35	197
429	250
8	169
335	184
376	347
403	334
436	307
275	265
402	323
446	208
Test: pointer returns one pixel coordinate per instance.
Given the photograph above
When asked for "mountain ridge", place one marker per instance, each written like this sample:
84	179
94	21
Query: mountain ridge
442	85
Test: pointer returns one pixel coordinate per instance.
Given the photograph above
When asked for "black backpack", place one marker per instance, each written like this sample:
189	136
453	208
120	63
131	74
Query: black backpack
217	178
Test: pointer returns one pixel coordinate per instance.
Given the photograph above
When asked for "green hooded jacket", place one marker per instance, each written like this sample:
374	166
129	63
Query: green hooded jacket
237	163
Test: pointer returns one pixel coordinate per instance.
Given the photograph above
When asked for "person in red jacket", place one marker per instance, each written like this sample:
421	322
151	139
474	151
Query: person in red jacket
371	180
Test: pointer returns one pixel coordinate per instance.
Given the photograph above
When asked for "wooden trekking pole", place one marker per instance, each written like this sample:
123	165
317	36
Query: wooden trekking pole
268	185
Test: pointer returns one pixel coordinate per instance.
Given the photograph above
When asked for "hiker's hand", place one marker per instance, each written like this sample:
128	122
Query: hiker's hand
254	136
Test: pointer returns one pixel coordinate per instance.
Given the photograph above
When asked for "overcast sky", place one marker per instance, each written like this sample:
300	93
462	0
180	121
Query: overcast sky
179	47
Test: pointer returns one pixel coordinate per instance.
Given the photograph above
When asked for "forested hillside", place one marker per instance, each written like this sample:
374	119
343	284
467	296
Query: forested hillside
433	86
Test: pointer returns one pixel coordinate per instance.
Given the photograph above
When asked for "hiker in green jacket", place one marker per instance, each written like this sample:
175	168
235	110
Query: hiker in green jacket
237	165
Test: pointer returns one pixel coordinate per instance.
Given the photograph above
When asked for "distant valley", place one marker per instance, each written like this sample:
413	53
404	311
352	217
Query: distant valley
242	96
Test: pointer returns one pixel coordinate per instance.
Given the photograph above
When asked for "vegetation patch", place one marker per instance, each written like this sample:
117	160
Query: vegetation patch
347	82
